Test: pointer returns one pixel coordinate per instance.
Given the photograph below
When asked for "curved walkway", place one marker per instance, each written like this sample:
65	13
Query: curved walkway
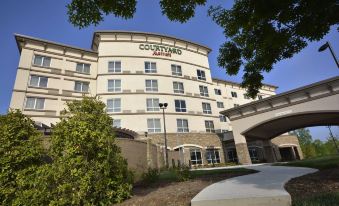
263	188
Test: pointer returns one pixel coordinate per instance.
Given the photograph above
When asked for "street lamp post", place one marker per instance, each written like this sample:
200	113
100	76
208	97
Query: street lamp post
163	106
328	45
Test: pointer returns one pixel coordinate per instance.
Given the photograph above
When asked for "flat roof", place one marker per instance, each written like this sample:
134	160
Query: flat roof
19	37
148	33
231	82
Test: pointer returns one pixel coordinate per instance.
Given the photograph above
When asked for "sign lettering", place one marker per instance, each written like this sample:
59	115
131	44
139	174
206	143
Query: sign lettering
159	50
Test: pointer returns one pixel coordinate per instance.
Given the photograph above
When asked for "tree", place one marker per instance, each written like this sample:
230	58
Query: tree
21	154
305	141
258	33
87	167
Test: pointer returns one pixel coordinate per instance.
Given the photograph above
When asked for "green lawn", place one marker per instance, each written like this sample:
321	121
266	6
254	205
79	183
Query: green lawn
323	199
320	163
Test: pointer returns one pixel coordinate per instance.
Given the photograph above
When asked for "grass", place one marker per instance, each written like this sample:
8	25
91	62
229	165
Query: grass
324	199
170	175
320	163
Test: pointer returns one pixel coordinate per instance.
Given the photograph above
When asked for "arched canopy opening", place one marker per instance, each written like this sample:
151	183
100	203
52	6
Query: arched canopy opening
277	126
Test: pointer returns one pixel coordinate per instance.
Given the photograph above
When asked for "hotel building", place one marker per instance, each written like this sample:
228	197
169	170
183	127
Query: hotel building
132	72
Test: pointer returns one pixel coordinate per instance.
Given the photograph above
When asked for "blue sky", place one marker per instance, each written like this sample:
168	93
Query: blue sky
47	19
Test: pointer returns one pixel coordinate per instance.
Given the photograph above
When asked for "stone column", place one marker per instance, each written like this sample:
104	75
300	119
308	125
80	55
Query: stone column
270	156
242	149
294	156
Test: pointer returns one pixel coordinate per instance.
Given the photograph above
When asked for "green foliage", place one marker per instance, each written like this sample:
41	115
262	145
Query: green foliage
326	162
259	33
180	10
323	199
87	168
21	155
83	13
151	176
182	173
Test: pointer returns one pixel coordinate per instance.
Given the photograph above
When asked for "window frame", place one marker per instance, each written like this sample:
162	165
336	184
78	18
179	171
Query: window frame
234	94
182	126
83	68
201	75
152	88
35	103
39	81
153	129
114	69
222	118
176	72
150	69
181	106
203	91
211	156
114	88
178	90
220	104
154	107
117	120
43	59
81	86
113	109
209	129
196	160
206	108
217	91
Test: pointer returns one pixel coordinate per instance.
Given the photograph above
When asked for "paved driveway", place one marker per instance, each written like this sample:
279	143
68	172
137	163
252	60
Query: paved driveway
260	189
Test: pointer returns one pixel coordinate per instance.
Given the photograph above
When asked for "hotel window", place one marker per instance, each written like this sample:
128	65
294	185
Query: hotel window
217	91
117	123
83	68
114	66
206	108
42	61
201	75
222	118
195	156
150	67
152	105
209	125
203	91
178	87
232	155
234	94
182	125
236	105
212	156
114	85
153	125
220	104
246	96
35	103
38	81
113	105
176	70
180	105
81	86
151	85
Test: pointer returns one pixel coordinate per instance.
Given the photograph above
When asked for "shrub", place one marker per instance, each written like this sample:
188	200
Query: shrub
21	155
151	176
182	173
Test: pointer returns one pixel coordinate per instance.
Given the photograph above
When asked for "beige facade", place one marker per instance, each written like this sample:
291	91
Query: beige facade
132	72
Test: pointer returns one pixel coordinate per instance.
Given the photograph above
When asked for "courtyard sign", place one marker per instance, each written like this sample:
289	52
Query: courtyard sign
159	50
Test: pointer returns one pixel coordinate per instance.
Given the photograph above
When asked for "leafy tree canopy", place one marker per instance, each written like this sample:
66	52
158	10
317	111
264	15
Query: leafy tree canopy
258	33
21	153
87	167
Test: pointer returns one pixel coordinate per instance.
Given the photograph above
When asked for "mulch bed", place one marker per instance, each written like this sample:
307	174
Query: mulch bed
323	181
174	193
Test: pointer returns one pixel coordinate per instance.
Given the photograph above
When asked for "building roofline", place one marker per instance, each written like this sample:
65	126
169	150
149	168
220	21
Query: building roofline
19	37
148	33
278	96
231	82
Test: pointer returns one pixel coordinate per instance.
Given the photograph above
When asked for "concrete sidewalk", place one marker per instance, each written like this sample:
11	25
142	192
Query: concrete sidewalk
263	188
